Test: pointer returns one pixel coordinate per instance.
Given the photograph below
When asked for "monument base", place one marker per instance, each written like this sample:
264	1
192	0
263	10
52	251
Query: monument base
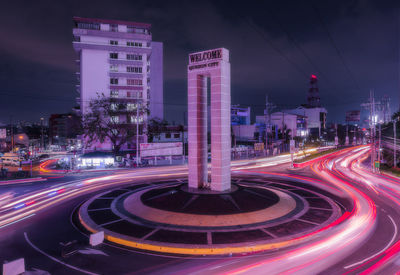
171	218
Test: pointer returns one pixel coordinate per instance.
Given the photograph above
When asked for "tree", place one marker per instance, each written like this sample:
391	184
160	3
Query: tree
112	119
396	116
155	127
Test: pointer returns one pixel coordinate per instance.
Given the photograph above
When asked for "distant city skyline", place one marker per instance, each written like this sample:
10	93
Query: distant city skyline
352	47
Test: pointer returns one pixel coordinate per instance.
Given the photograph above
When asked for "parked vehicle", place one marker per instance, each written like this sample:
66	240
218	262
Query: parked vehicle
11	159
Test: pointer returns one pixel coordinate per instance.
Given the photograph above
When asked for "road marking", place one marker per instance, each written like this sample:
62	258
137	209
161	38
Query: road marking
55	259
310	222
17	220
92	251
149	234
99	209
107	223
382	250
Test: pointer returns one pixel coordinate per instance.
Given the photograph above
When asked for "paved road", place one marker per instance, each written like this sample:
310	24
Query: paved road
364	239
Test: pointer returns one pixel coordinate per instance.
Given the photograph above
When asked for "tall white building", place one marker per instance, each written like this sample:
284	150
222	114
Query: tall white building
120	60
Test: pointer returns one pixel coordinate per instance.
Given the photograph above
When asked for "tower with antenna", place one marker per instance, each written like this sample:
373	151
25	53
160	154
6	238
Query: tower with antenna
313	98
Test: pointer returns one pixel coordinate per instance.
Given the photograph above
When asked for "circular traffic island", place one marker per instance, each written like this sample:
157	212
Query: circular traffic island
170	218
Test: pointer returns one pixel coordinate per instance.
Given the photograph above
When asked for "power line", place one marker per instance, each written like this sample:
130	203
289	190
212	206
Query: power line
269	42
325	27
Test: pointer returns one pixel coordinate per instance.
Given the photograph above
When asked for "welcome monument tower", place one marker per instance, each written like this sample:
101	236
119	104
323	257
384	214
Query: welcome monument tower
212	64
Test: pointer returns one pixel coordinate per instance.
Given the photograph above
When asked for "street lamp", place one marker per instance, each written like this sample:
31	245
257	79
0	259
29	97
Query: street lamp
42	137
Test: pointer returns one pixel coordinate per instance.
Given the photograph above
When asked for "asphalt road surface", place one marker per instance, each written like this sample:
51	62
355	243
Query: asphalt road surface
38	223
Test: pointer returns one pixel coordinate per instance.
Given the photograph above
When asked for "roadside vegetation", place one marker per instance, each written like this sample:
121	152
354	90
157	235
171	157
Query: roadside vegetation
309	156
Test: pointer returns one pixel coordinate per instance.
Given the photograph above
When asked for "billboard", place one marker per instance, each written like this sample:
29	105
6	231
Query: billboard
353	116
161	149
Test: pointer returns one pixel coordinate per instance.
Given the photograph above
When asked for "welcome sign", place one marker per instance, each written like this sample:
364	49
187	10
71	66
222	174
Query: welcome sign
207	59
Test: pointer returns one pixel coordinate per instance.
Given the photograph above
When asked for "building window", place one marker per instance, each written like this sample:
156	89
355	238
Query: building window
132	29
134	44
113	42
133	119
134	69
131	106
177	135
88	26
114	55
114	93
134	57
114	81
113	68
168	135
134	82
114	119
114	106
113	27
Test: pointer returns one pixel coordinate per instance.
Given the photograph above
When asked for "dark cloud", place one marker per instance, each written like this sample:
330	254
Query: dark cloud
274	47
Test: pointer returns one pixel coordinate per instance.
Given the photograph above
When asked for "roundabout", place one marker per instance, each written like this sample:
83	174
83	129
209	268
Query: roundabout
168	217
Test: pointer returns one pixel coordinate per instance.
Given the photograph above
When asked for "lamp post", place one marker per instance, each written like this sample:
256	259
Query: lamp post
137	135
394	144
42	137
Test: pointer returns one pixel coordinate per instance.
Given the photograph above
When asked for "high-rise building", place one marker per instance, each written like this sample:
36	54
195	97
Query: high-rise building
120	60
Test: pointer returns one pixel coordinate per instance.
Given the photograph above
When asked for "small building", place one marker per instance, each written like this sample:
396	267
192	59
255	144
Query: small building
315	118
240	115
171	133
244	132
297	124
96	159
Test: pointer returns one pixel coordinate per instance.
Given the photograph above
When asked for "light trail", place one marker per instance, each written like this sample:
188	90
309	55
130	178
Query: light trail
329	246
342	174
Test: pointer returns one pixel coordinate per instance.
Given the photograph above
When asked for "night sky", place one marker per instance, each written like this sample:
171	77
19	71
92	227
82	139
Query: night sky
352	46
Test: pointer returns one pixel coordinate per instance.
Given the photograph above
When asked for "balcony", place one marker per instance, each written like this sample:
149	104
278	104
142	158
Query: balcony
107	47
126	74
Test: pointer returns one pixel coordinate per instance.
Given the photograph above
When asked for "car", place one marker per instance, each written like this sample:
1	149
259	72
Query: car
44	156
10	162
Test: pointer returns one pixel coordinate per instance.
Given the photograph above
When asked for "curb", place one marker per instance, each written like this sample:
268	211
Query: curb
202	250
22	180
191	251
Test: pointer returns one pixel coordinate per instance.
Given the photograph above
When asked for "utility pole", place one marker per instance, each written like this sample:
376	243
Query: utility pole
12	135
373	153
42	137
267	115
336	137
394	144
137	135
379	146
371	106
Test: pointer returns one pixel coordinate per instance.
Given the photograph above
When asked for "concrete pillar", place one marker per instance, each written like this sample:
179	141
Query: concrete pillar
214	64
221	127
197	129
